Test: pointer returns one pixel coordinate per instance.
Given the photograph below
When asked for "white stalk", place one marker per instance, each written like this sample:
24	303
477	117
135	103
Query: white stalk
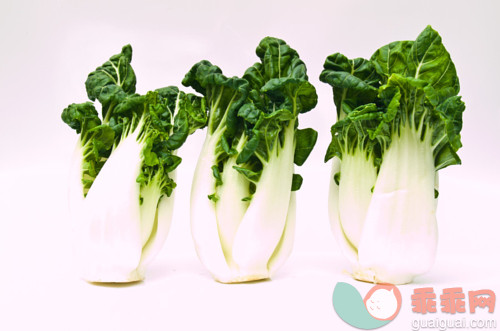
108	225
263	224
161	227
284	248
230	209
358	175
115	235
150	194
204	227
399	237
237	240
345	245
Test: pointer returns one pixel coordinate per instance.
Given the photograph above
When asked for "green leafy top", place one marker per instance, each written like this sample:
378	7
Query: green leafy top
223	96
405	83
257	108
354	82
117	71
164	117
279	92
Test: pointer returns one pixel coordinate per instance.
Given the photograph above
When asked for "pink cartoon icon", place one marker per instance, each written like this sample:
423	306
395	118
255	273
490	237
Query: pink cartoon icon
383	301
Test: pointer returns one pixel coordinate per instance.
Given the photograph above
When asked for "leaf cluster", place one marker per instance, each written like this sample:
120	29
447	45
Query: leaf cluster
248	115
404	83
163	119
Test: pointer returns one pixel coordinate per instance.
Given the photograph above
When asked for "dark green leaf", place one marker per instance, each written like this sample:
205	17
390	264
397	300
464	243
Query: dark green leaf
305	140
223	95
216	174
297	94
116	71
226	147
296	182
392	58
81	117
430	61
249	112
354	82
249	174
336	178
248	149
180	131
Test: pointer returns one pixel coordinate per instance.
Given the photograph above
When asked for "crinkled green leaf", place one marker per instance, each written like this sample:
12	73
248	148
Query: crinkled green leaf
292	93
354	131
392	59
81	117
223	95
431	62
250	112
278	60
446	136
354	82
117	71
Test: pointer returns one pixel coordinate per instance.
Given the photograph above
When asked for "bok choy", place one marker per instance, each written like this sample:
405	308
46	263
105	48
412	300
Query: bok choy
243	191
121	192
399	119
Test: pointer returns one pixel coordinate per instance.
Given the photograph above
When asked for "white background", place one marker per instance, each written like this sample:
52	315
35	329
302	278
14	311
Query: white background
47	48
